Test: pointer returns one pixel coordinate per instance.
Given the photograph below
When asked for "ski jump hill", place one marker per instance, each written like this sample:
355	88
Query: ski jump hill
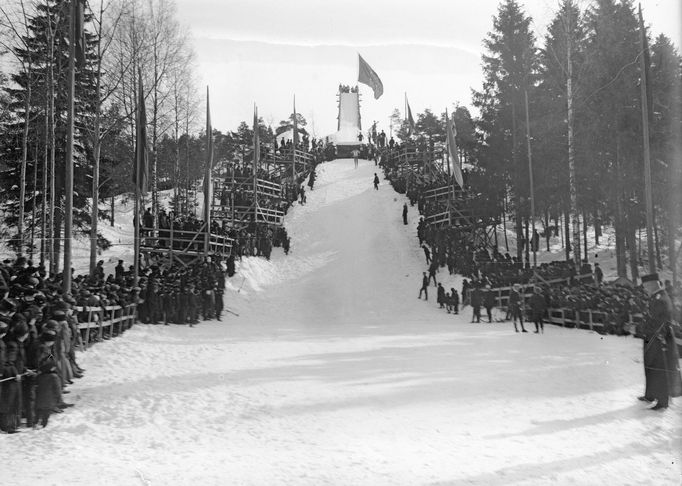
334	373
349	124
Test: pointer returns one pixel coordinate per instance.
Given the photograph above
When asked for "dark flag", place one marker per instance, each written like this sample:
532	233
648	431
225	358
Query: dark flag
410	120
370	78
209	162
141	172
295	126
256	140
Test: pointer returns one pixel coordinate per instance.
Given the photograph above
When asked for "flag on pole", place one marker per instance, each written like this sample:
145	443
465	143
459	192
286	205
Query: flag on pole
453	158
141	172
410	120
209	161
367	76
295	125
256	139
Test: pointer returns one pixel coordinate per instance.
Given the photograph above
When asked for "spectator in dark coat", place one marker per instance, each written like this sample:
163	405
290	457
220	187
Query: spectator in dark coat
433	268
48	394
10	390
476	301
598	274
516	306
538	307
427	254
425	287
489	302
440	296
661	360
119	271
405	213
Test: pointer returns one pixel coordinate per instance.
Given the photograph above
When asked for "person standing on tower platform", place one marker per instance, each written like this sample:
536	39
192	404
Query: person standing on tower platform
661	358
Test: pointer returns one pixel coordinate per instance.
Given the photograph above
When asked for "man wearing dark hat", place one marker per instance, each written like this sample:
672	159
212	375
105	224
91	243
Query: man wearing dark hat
661	360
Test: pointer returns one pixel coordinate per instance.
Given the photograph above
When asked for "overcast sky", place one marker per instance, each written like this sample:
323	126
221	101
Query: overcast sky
265	51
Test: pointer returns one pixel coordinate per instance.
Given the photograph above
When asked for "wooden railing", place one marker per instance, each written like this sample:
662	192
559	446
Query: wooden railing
185	241
502	293
104	320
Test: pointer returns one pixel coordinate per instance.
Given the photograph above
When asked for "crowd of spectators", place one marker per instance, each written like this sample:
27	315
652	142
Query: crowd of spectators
40	332
558	283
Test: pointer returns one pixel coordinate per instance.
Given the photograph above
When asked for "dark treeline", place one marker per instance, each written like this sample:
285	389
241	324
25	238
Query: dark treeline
120	37
590	60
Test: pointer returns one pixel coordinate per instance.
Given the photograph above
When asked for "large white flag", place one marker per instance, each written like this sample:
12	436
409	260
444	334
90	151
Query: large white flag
453	158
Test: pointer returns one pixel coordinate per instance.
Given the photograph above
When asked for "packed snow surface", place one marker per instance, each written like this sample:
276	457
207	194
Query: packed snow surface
335	374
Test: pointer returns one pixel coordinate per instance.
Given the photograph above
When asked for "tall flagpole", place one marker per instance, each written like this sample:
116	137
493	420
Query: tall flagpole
207	175
532	189
256	157
295	139
647	155
68	173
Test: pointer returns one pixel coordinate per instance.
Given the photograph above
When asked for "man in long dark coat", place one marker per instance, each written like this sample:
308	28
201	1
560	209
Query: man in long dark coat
661	359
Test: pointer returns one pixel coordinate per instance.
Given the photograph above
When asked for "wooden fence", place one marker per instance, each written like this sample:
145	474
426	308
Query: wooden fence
105	321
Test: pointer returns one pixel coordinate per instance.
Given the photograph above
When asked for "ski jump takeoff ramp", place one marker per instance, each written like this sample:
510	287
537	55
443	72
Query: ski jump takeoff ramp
349	126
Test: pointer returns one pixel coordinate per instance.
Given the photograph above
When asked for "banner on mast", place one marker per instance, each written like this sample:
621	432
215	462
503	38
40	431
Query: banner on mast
141	172
295	137
453	157
410	120
256	139
368	76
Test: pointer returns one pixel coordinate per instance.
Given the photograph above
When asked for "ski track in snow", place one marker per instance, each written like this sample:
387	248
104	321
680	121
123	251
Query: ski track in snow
335	374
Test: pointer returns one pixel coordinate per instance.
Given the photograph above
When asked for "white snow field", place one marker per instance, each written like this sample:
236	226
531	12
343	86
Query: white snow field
335	374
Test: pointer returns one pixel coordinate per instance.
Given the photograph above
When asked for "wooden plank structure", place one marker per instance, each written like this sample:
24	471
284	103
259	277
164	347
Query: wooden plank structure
447	205
246	199
183	246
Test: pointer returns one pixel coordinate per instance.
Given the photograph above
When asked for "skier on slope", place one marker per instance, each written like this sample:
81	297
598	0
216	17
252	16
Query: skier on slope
376	181
405	213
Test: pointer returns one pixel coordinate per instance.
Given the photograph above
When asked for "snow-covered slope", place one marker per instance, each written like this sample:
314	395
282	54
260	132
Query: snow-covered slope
335	374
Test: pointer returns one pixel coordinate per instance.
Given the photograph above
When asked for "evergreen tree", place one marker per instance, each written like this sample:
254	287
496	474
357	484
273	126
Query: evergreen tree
666	140
34	48
509	68
613	133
